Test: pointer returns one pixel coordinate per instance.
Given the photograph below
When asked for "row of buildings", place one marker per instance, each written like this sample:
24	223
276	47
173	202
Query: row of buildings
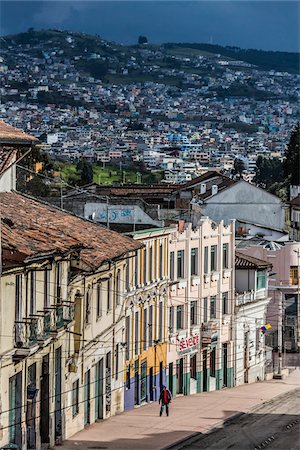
94	322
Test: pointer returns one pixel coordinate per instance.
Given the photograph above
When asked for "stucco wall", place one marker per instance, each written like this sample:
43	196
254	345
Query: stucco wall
246	202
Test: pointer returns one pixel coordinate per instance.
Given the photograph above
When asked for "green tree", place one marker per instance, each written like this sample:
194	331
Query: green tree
85	170
268	171
142	40
291	165
238	167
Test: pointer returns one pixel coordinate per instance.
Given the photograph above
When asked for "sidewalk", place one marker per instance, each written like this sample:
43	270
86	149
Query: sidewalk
142	428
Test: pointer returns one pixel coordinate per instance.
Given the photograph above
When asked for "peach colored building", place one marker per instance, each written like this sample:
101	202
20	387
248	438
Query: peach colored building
201	305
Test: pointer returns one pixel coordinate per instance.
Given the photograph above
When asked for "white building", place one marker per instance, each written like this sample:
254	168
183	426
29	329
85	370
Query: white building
251	281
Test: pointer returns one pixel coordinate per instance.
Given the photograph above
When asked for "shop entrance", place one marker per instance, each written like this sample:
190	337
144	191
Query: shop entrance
179	376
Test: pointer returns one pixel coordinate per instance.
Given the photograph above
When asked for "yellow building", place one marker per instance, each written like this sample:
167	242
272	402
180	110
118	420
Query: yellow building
145	317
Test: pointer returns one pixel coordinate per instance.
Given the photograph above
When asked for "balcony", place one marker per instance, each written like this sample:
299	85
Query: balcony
59	317
250	296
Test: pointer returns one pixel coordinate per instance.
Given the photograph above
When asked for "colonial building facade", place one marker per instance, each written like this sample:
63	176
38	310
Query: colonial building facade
201	271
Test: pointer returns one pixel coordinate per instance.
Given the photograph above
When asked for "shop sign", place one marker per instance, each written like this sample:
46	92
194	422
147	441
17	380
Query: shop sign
188	345
208	337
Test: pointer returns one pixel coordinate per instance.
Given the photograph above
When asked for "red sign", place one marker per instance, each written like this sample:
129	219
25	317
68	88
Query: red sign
189	345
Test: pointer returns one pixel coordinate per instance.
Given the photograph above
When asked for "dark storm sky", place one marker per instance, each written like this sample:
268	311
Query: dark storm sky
268	25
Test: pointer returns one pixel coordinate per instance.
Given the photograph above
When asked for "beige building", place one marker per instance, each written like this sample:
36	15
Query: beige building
62	322
201	304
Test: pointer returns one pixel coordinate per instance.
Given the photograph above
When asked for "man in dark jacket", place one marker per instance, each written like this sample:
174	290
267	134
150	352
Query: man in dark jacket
164	399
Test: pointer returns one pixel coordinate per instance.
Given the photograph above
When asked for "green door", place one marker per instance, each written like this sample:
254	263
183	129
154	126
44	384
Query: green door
144	381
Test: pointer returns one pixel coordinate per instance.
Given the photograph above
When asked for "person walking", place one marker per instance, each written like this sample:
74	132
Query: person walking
165	400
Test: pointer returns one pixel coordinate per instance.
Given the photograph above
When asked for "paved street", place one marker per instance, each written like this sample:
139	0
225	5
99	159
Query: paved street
142	428
274	425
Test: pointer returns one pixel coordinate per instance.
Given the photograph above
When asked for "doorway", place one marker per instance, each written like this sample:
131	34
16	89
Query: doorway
31	406
99	389
224	357
144	381
136	382
87	397
15	410
204	370
151	384
58	416
44	423
171	378
179	376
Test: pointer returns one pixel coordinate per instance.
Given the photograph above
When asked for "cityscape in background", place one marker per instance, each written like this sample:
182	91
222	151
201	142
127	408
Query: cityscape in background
150	236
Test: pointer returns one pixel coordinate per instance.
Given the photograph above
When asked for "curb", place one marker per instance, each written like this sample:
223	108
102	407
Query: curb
184	442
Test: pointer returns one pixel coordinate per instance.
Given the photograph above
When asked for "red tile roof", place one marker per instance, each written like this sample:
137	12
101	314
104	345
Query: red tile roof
295	201
14	136
243	261
32	228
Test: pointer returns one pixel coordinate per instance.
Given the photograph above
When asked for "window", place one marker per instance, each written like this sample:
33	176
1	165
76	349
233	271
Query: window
88	305
193	367
180	264
179	317
127	275
160	323
150	326
118	287
213	258
294	275
145	322
127	336
99	300
213	307
205	310
172	261
136	269
117	361
46	288
32	292
151	264
145	266
161	261
194	261
136	333
58	283
128	377
18	314
205	260
225	256
261	279
75	398
171	319
108	295
194	312
225	303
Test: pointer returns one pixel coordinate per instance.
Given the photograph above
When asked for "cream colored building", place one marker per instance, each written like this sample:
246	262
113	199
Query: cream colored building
62	322
201	304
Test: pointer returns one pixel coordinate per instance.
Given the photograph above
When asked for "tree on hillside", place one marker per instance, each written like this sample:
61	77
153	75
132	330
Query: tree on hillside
238	167
142	40
291	165
268	171
85	170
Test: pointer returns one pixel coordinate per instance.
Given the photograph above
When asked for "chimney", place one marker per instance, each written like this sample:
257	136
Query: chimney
214	189
202	188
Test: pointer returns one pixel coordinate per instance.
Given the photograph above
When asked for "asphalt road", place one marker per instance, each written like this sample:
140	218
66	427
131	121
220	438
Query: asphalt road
275	425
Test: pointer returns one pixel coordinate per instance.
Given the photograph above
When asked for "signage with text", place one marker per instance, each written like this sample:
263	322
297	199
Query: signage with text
188	345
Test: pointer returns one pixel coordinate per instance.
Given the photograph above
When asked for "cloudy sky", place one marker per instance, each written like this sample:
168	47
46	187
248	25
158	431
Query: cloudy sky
267	25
